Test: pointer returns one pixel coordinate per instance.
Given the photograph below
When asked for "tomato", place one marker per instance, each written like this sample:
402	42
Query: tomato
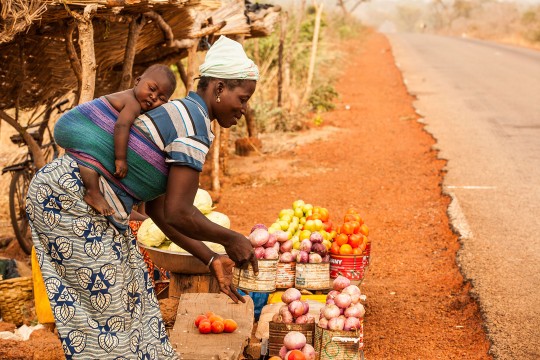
334	249
275	358
355	240
353	217
347	228
215	318
217	327
345	249
323	212
366	240
296	355
351	211
200	318
341	239
209	313
357	251
315	217
229	325
205	327
364	230
356	226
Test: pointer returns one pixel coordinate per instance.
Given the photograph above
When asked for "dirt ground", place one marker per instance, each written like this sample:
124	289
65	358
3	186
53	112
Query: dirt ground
376	157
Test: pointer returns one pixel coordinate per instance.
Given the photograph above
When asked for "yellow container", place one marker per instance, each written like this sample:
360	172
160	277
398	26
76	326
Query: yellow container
43	307
276	297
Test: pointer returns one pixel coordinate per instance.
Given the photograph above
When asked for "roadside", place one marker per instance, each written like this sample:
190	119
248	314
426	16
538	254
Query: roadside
377	158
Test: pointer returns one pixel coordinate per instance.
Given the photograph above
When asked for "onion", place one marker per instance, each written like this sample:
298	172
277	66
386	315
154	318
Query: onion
306	307
332	294
276	247
302	257
309	352
330	301
283	352
272	239
362	309
316	237
291	295
286	316
295	252
323	323
351	323
351	290
310	318
353	311
294	340
286	246
331	311
296	308
281	235
314	258
302	319
258	237
343	300
336	323
320	249
271	254
286	257
326	258
258	226
277	318
305	245
259	252
340	283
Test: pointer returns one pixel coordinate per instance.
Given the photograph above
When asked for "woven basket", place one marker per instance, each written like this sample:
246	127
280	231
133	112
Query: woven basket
14	295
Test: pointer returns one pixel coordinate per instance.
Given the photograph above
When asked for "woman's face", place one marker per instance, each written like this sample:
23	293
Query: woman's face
233	103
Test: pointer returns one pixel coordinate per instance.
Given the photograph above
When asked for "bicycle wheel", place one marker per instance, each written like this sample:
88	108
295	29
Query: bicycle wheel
17	208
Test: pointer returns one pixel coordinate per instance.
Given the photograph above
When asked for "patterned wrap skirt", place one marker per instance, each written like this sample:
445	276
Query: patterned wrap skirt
98	285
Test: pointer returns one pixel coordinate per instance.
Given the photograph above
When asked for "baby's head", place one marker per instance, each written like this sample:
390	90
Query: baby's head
155	86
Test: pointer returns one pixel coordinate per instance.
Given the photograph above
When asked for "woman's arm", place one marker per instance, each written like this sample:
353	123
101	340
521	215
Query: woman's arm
180	214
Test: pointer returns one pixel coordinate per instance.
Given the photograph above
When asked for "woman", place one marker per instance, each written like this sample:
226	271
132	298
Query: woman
98	285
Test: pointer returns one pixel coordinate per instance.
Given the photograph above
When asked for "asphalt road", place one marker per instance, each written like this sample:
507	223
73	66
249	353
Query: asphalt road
481	102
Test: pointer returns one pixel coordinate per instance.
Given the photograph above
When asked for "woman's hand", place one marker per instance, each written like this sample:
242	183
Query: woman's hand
222	269
242	253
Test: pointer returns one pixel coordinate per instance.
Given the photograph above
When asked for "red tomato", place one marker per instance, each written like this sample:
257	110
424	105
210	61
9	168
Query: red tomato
345	249
364	230
296	355
327	225
334	249
355	240
352	211
215	318
229	325
356	226
217	327
341	239
347	228
199	318
205	327
357	251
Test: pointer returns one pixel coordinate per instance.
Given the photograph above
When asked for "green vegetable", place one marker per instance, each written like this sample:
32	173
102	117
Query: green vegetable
219	218
203	201
150	234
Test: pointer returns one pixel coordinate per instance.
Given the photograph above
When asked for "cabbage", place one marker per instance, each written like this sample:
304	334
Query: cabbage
219	218
203	201
150	234
217	248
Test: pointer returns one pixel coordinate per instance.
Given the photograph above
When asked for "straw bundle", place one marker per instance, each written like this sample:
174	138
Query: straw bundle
18	15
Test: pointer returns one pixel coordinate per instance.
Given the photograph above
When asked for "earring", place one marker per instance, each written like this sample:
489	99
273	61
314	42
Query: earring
218	99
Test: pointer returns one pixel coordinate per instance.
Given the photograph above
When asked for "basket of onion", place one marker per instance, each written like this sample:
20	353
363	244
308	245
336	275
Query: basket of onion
339	333
286	268
267	252
292	316
312	264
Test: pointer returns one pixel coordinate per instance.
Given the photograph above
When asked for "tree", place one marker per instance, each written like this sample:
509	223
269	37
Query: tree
348	6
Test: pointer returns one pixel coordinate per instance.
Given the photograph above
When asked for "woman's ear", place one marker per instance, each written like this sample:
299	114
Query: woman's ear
219	87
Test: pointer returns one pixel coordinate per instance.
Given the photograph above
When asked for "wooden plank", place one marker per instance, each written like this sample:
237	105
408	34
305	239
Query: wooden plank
191	345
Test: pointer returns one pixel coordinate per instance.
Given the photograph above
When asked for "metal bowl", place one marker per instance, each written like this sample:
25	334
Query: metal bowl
182	263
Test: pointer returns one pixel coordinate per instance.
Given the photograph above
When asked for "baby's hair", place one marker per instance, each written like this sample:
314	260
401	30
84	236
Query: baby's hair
230	83
165	69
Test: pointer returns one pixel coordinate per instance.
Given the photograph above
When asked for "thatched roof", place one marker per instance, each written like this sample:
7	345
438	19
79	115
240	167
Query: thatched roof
36	67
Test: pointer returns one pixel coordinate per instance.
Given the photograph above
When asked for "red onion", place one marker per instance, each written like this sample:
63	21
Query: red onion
277	318
271	253
353	311
305	245
283	352
336	323
291	295
302	319
351	323
340	283
316	237
306	307
286	246
332	294
310	318
286	316
258	237
286	257
331	311
281	236
296	308
258	226
343	300
294	340
302	257
272	239
326	258
295	252
314	258
320	249
309	352
351	289
330	301
323	323
259	252
276	247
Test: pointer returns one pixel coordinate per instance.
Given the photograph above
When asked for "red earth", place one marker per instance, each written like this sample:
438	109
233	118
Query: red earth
376	157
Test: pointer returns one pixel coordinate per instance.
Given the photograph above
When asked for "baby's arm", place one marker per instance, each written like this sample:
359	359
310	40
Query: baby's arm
121	137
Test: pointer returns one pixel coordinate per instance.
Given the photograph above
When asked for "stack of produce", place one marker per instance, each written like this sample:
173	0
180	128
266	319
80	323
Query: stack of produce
295	347
266	245
352	235
213	323
343	310
295	310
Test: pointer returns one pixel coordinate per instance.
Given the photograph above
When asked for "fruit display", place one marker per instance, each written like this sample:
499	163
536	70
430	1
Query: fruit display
212	323
351	236
295	310
295	347
343	309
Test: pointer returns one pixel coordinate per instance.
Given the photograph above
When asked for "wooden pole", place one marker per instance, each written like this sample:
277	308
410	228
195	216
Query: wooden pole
182	72
280	57
313	56
214	174
88	56
135	27
73	57
191	67
39	159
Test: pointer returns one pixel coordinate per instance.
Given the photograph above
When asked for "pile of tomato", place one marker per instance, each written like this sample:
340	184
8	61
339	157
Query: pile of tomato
213	323
352	235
